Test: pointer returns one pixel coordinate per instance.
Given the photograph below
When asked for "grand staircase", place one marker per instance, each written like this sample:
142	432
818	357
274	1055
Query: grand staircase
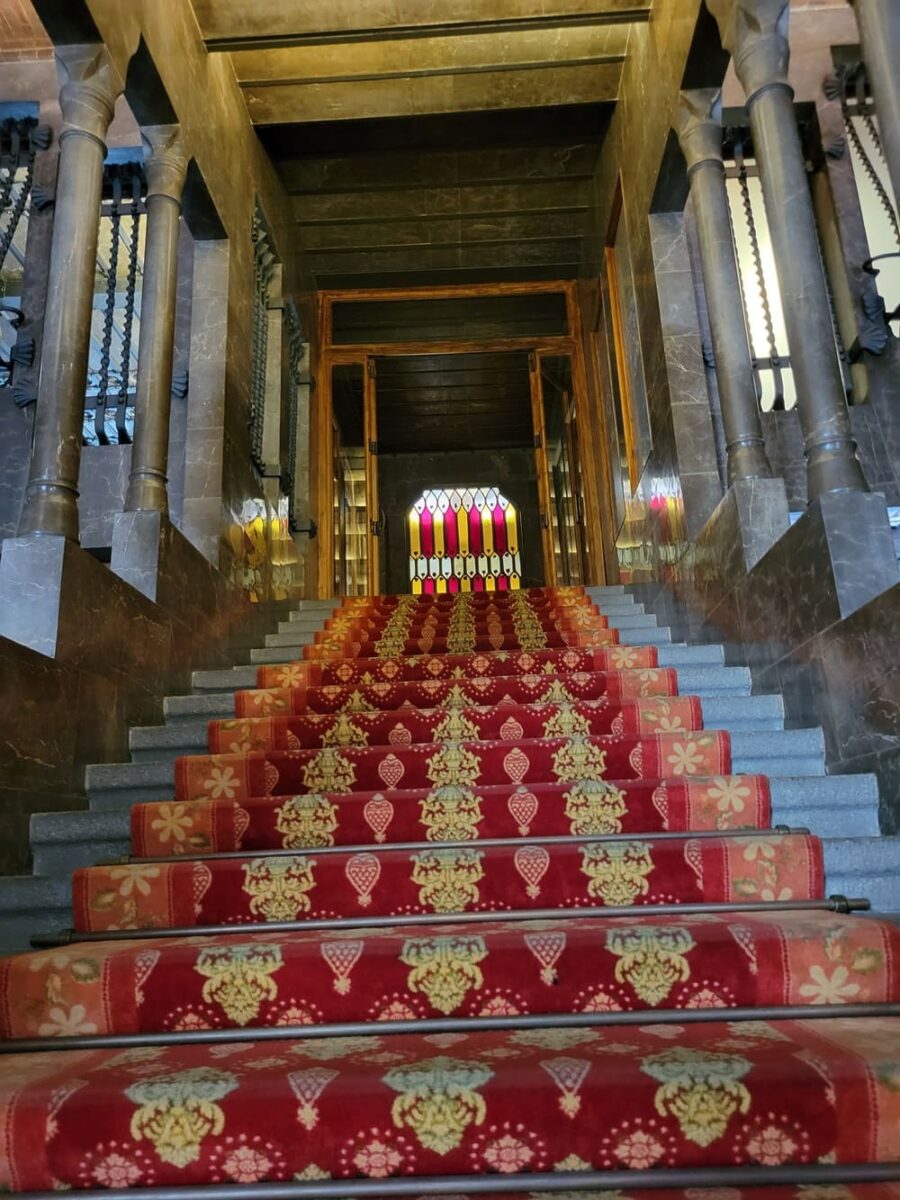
445	895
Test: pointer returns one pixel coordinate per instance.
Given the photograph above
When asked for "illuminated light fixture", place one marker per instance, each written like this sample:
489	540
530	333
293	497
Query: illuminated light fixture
463	539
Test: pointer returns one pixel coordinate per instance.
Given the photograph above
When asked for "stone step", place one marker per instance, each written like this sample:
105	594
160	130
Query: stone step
693	681
680	654
280	654
835	806
774	752
614	611
228	680
295	638
871	864
714	681
607	589
829	805
673	654
59	845
733	713
306	625
30	903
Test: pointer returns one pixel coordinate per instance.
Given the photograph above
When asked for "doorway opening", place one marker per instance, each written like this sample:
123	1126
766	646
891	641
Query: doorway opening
458	452
463	539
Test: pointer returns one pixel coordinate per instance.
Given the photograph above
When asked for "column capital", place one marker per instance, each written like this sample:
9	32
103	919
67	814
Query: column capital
89	87
698	123
755	33
165	161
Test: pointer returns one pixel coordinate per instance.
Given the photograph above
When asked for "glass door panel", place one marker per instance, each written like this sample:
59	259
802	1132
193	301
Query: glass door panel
350	487
563	477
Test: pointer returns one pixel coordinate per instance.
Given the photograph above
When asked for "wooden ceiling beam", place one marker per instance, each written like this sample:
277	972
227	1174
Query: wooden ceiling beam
423	58
377	172
485	200
518	87
229	25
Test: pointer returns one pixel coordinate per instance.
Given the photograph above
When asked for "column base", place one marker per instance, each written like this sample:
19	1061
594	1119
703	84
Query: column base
31	586
137	542
861	557
755	513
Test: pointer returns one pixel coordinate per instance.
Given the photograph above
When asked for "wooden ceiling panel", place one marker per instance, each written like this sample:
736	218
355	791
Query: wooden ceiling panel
231	24
520	87
423	57
443	402
431	139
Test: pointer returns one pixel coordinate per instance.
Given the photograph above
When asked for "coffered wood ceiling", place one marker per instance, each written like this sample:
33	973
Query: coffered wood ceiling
431	141
351	59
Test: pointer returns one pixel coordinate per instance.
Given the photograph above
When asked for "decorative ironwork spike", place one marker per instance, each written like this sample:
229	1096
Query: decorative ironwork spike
23	352
835	147
180	382
23	395
42	197
41	137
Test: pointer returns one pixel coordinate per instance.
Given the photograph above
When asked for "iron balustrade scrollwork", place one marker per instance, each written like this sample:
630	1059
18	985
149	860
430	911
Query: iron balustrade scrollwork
20	140
112	370
880	302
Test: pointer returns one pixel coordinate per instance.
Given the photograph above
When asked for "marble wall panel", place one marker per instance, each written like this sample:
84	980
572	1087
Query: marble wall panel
117	654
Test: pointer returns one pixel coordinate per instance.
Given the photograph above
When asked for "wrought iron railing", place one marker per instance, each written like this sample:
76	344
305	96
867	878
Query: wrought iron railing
849	85
20	140
769	346
264	267
115	328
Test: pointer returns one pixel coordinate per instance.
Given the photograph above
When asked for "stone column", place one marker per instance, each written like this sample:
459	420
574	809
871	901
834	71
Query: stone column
699	127
879	33
87	100
755	33
166	170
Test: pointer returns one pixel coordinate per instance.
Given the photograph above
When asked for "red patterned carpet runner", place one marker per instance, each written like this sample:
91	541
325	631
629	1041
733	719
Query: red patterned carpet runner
432	772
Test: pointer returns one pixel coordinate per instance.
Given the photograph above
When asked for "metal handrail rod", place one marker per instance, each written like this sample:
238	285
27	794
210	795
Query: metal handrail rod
835	903
436	1025
555	839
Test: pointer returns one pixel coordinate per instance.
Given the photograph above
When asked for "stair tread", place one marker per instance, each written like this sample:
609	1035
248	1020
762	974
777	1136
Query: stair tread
647	962
595	1099
475	869
438	878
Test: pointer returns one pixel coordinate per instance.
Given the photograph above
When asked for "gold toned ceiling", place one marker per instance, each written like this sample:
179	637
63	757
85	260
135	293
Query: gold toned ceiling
321	60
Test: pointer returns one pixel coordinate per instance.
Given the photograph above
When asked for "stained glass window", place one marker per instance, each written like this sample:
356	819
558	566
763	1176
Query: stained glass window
463	539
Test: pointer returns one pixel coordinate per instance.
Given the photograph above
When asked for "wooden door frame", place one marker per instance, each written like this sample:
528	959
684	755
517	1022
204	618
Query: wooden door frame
571	343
